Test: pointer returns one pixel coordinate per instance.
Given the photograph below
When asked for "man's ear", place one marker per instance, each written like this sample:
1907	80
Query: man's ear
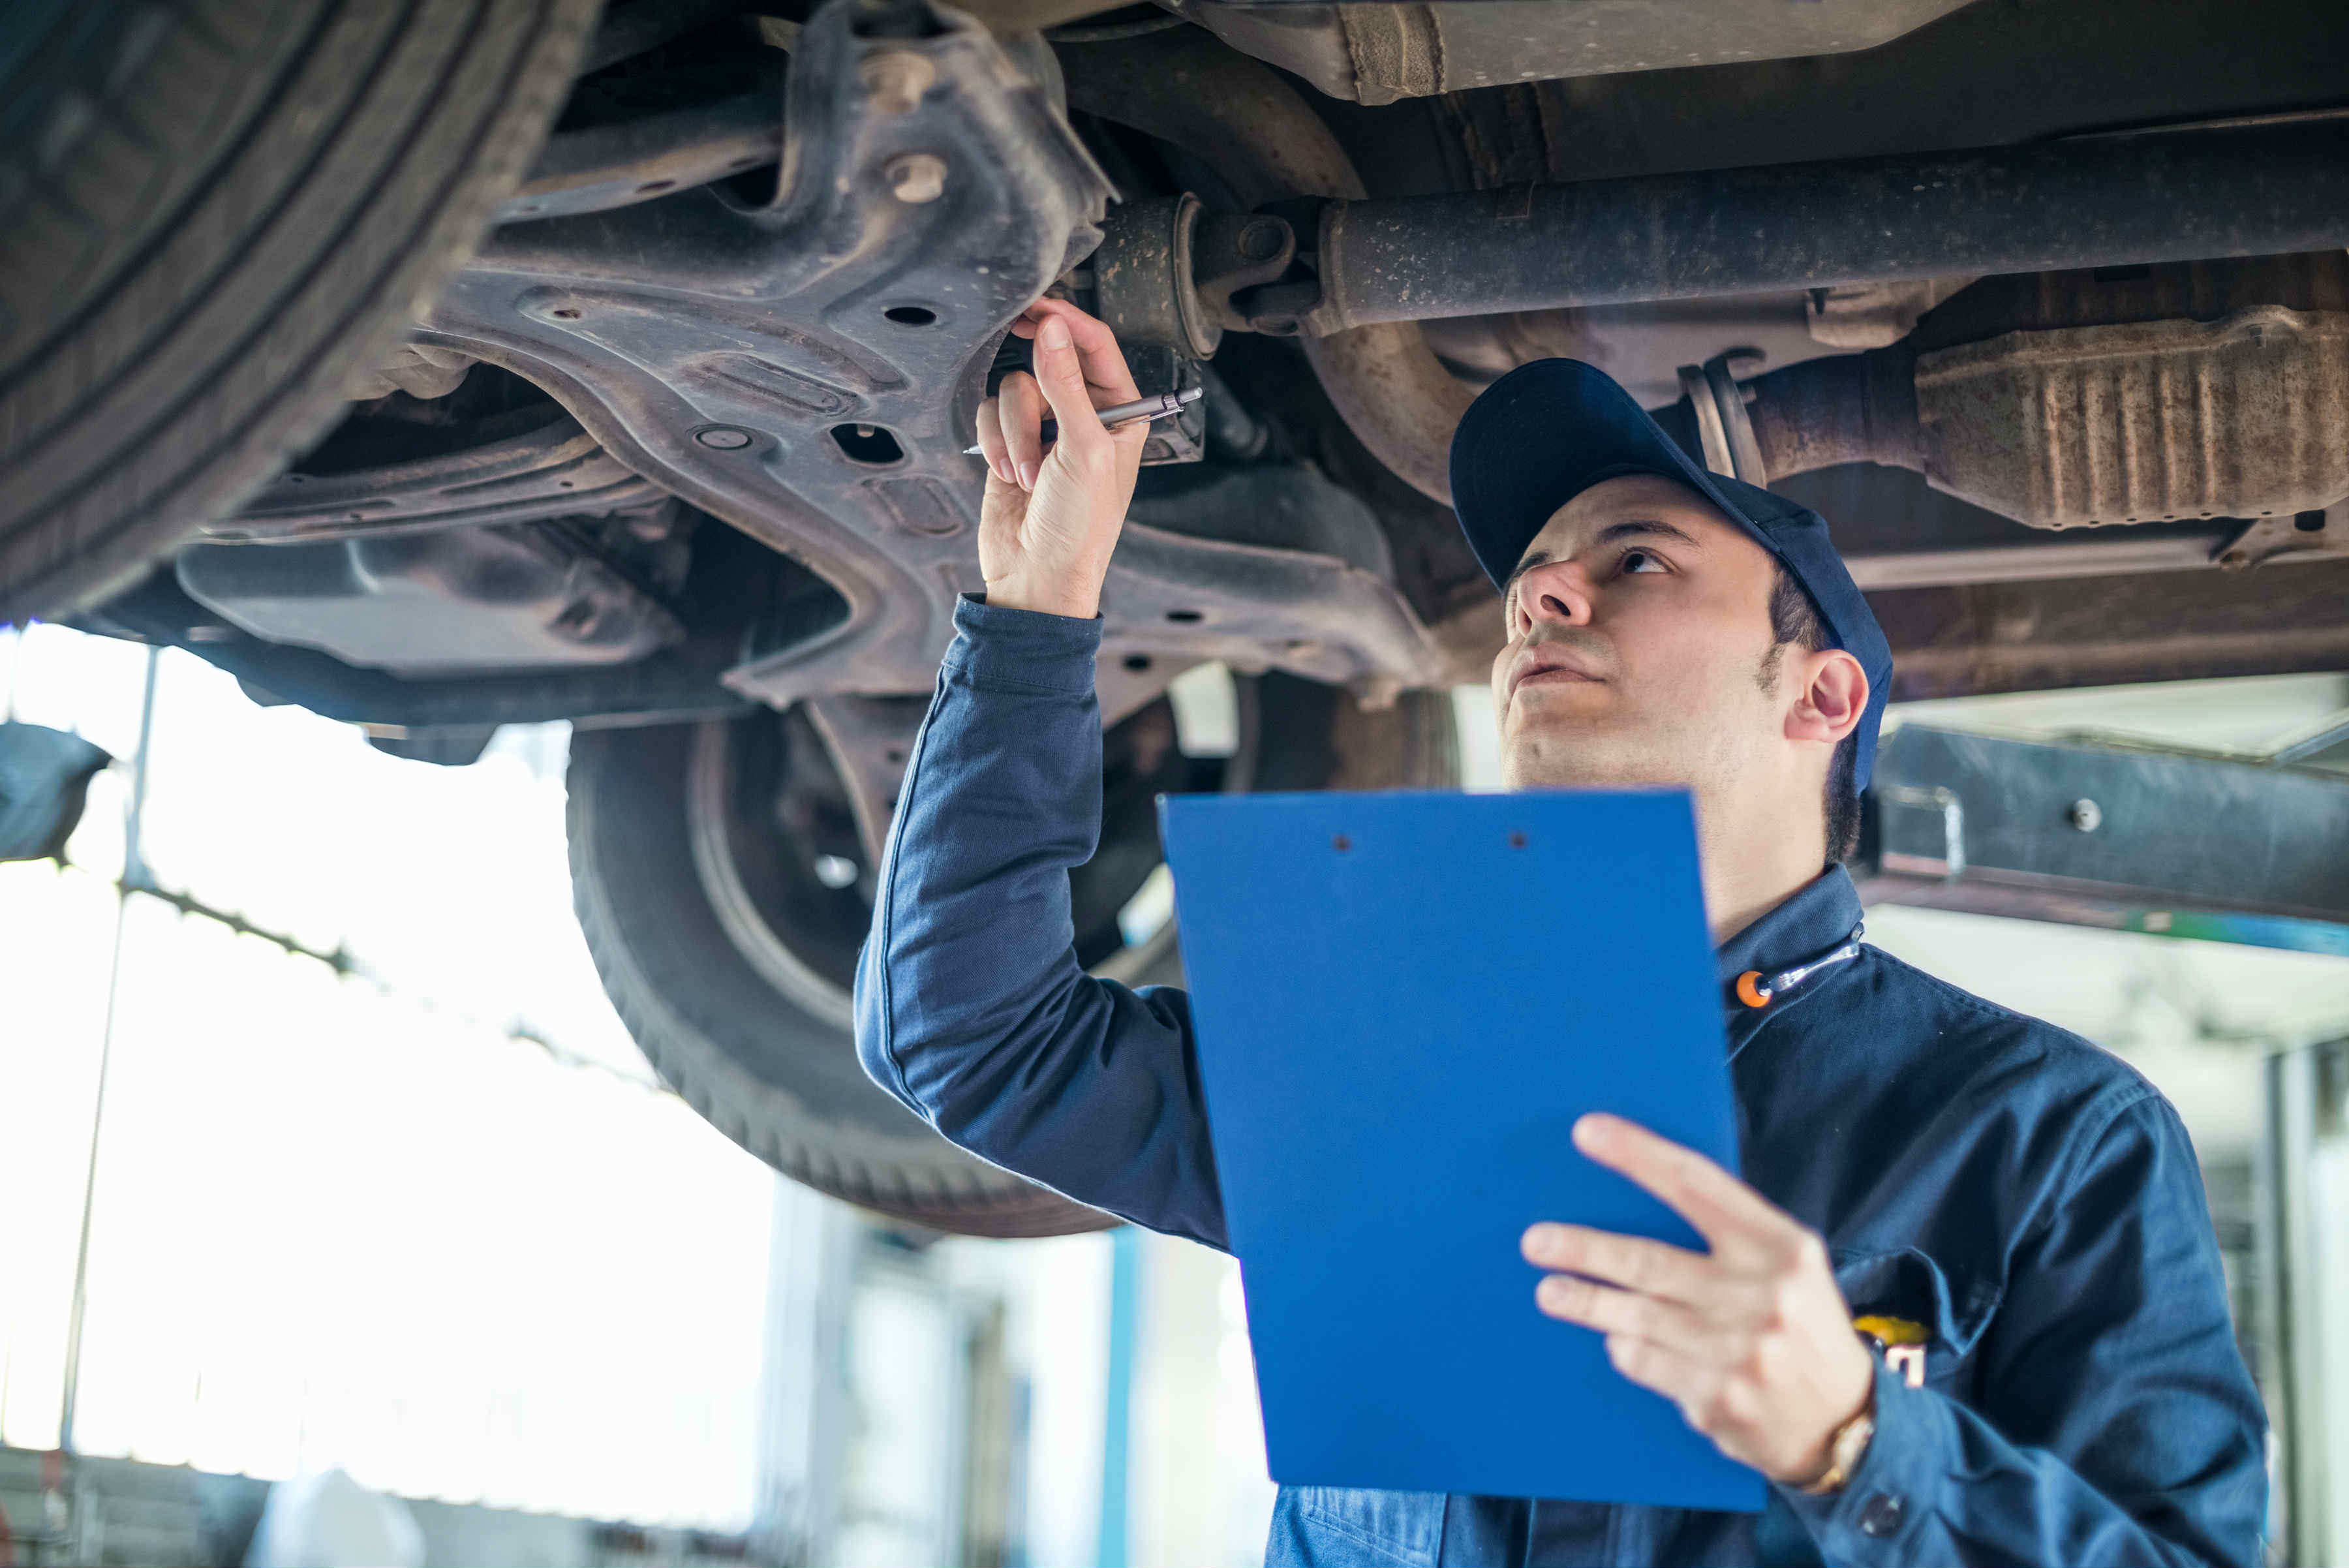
1830	695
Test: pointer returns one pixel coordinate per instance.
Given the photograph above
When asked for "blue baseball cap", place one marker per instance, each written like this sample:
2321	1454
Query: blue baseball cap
1550	429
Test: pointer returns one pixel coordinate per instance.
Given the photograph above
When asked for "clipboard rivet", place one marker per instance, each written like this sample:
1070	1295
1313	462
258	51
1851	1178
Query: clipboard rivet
1342	844
1516	841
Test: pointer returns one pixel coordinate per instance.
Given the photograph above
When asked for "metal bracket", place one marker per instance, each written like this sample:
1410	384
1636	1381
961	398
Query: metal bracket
1724	427
871	739
1237	251
555	471
808	370
2302	534
1951	863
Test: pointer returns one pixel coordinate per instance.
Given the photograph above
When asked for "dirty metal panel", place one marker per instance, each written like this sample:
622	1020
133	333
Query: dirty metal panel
1376	53
1952	642
770	364
808	370
2141	423
553	472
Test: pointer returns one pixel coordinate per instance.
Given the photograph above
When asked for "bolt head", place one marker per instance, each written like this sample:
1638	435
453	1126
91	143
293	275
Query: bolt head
1260	241
723	438
2084	815
896	80
916	177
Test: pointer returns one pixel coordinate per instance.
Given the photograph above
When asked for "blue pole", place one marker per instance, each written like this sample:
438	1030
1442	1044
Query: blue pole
1116	1549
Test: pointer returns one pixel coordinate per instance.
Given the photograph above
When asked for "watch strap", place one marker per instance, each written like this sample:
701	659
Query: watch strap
1845	1450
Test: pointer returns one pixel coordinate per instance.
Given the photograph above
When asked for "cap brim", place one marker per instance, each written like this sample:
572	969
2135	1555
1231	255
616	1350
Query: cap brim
1542	434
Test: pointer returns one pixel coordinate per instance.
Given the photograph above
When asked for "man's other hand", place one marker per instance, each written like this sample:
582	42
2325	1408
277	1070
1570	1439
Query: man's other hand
1752	1340
1051	518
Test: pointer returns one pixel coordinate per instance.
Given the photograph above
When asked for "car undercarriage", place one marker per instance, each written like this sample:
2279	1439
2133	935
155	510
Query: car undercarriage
2043	304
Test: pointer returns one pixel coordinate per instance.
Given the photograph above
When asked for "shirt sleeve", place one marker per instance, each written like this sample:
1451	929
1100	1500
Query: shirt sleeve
2116	1425
971	1007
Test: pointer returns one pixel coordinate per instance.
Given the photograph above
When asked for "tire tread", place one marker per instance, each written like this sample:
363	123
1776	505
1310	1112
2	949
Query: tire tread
616	792
204	332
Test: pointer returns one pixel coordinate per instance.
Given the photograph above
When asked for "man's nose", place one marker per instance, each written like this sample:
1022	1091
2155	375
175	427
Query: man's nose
1559	592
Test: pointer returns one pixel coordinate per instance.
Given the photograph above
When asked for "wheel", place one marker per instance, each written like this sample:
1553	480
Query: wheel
719	879
213	215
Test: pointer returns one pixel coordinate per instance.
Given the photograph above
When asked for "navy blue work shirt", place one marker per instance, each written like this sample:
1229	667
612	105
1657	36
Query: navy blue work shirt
2025	1196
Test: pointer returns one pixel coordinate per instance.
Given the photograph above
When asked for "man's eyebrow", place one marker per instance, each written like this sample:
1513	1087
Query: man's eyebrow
1634	528
1643	527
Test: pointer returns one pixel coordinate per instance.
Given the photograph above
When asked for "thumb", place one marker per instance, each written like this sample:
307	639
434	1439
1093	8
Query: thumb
1062	380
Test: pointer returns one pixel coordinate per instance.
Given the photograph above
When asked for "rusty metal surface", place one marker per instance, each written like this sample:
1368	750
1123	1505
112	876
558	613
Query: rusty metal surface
2104	631
1849	408
931	189
2094	201
1397	398
2151	422
1376	53
2300	537
1141	277
2107	297
1253	129
618	165
557	470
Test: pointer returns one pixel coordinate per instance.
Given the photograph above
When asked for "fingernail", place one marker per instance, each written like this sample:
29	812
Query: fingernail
1027	476
1003	471
1053	334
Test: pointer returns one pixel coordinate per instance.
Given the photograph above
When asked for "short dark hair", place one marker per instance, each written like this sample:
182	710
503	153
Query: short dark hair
1795	620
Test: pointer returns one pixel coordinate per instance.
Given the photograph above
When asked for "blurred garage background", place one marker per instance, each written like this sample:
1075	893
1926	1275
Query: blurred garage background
337	1206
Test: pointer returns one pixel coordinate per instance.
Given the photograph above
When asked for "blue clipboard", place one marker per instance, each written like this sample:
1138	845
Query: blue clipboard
1402	1003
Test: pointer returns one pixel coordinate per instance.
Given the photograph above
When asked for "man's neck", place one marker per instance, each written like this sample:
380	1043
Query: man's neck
1751	862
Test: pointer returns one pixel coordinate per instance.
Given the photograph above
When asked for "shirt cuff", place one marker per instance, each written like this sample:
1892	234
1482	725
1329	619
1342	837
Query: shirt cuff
1022	651
1874	1515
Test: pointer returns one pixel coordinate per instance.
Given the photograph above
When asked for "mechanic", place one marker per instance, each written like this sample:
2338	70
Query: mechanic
2012	1217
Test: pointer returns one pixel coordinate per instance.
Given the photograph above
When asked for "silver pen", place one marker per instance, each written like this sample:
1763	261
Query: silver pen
1157	407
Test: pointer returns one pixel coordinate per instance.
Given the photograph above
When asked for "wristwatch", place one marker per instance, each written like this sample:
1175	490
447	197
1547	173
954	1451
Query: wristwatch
1845	1450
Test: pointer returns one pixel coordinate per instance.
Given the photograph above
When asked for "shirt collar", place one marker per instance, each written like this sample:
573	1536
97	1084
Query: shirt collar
1822	914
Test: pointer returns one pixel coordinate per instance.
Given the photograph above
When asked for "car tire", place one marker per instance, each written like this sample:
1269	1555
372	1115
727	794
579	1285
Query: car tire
213	213
752	1029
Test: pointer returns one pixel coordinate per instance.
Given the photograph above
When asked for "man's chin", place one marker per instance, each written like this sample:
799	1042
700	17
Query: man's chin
1558	755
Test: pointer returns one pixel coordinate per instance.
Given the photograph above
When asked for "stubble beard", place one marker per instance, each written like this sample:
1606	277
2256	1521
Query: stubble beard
1558	750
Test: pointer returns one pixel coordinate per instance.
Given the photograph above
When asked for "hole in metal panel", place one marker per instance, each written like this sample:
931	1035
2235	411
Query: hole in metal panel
870	445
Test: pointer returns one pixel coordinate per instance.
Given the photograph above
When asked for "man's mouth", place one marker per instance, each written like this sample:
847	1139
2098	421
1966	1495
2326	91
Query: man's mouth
1548	666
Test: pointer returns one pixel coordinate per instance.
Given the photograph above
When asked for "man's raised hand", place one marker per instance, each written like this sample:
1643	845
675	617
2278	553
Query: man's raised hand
1752	1340
1051	519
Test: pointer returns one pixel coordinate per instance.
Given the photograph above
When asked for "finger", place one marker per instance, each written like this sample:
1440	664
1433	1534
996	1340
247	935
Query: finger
1683	1379
1100	361
1062	375
1722	1208
1631	1262
1571	1299
1021	412
991	444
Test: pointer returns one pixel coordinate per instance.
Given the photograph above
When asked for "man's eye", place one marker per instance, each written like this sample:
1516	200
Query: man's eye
1643	561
